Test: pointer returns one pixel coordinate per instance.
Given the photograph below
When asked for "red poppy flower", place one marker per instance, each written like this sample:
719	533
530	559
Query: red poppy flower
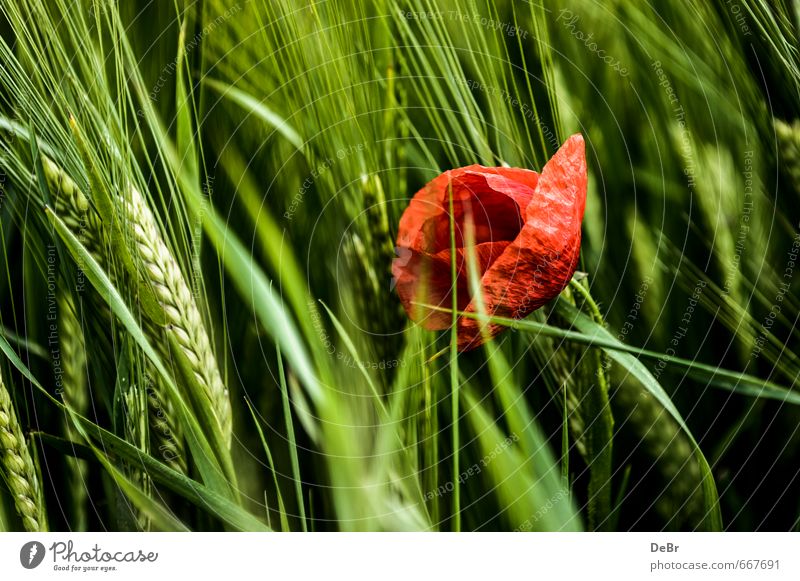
527	231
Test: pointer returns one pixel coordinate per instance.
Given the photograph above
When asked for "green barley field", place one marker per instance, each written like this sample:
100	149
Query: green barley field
200	321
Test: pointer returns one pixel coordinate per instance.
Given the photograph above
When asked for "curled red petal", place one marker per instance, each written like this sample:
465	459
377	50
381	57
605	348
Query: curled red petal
496	198
425	279
540	262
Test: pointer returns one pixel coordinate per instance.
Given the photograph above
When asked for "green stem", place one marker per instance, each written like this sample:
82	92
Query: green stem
601	428
431	436
565	441
287	412
454	395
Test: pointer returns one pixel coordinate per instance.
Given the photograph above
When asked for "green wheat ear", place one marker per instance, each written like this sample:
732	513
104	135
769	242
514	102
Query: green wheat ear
788	136
159	269
183	321
662	440
18	468
76	395
72	205
370	256
165	431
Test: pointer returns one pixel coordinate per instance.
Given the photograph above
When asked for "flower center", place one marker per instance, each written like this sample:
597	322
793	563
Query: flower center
494	216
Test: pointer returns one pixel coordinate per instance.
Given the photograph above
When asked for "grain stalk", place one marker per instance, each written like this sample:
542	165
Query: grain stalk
76	396
183	321
136	431
182	316
601	424
681	501
788	137
164	430
371	259
18	468
73	207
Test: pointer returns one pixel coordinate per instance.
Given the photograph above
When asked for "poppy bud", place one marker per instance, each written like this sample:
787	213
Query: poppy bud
527	235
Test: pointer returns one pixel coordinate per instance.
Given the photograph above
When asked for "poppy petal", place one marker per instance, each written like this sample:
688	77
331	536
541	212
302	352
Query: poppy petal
497	204
425	278
539	263
508	181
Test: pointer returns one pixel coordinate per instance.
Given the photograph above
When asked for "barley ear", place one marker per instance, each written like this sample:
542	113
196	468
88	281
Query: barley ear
788	137
182	319
662	439
159	269
136	429
74	208
75	392
165	432
19	471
